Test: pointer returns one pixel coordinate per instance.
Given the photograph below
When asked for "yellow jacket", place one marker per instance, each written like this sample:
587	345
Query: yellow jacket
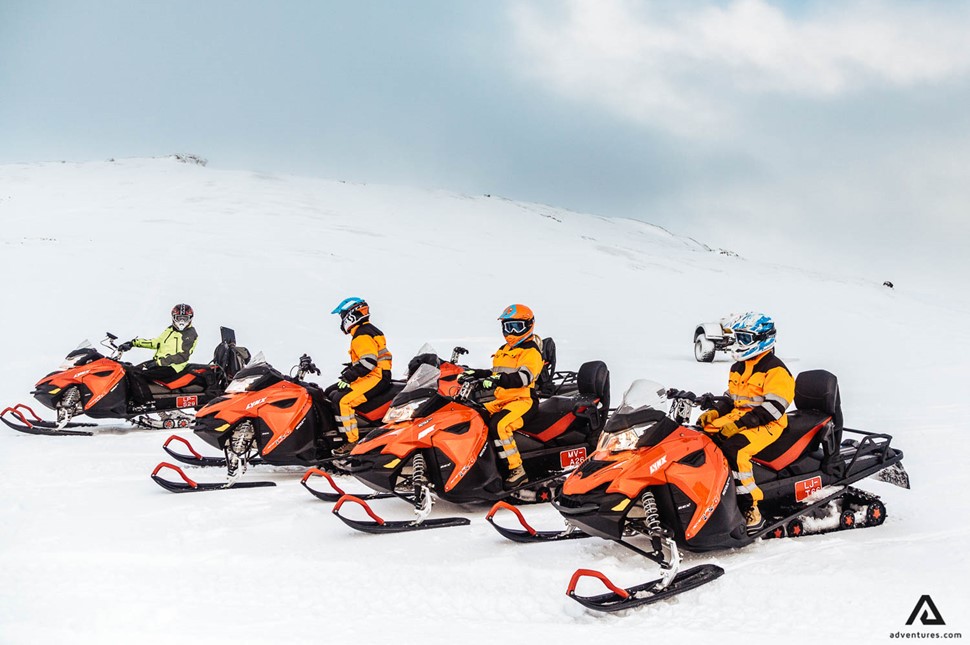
762	388
518	368
172	347
368	354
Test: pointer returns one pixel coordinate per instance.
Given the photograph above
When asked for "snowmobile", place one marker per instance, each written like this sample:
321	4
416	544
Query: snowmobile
266	417
437	444
654	476
713	337
90	383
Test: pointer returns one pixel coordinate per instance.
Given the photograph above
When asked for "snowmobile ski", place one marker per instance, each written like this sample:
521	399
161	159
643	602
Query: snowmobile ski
380	525
647	593
196	458
527	534
190	486
38	426
335	496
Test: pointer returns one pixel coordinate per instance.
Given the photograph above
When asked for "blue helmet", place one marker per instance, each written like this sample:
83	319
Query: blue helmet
353	311
754	334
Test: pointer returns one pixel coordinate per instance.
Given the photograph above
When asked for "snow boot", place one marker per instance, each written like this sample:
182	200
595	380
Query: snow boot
753	520
516	478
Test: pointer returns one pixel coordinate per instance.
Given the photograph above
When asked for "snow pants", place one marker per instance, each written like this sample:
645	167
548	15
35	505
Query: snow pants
347	400
739	450
507	417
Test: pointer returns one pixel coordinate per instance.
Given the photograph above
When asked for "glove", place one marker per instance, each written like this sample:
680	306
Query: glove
306	364
124	347
495	380
471	375
707	417
342	384
730	429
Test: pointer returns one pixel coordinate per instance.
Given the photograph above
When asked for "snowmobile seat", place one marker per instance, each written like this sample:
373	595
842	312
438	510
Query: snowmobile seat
190	379
553	421
376	408
817	422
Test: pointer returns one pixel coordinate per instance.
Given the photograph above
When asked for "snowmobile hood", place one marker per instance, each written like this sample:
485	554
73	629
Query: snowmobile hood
99	376
456	430
686	458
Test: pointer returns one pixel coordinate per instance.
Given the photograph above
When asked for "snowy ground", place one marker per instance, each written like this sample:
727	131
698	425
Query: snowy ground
92	551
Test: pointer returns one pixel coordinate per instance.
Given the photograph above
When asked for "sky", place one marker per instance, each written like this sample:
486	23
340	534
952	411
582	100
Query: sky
837	130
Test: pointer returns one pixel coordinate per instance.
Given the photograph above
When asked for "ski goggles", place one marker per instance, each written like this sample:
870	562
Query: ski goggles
181	321
748	338
514	327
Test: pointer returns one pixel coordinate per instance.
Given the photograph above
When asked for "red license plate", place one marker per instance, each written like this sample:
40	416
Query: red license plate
806	487
572	458
186	401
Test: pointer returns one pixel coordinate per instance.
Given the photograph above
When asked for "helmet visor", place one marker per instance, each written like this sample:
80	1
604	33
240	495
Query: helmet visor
514	327
181	321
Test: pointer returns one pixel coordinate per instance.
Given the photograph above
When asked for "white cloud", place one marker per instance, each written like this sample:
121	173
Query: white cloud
688	67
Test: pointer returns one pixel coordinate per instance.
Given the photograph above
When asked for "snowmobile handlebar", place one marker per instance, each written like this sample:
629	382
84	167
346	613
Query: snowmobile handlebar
305	367
457	353
109	342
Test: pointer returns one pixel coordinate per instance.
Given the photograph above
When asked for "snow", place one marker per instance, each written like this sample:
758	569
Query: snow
91	551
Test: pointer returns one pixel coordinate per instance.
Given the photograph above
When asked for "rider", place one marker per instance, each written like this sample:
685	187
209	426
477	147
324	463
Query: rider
173	347
367	375
515	368
760	388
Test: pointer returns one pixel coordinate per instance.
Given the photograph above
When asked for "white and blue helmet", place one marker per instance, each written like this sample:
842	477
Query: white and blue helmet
353	311
754	334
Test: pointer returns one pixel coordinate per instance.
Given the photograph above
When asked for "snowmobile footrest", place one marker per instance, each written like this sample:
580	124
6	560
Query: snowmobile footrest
528	534
380	525
619	598
339	492
36	425
189	486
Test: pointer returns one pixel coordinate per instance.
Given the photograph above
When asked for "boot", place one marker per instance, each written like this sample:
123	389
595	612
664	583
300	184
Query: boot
753	520
516	478
345	449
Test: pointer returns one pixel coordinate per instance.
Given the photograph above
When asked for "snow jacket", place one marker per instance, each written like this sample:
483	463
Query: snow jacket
761	389
368	354
518	368
172	347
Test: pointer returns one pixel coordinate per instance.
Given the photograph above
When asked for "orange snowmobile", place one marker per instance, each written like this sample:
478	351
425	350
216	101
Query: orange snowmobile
653	476
437	443
266	417
90	383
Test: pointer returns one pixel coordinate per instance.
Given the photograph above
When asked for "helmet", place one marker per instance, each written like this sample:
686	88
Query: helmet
353	311
754	334
517	323
182	316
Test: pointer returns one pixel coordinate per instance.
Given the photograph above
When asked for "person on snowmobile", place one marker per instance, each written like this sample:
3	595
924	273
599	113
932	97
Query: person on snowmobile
367	375
752	415
515	368
173	348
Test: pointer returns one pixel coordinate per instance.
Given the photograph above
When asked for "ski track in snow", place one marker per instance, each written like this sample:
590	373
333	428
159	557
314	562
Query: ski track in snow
91	551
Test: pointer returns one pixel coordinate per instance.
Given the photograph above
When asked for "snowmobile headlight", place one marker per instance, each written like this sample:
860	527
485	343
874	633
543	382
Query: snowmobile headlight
404	412
619	441
242	384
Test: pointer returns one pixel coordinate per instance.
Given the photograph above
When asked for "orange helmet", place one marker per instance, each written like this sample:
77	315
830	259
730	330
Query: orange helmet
517	323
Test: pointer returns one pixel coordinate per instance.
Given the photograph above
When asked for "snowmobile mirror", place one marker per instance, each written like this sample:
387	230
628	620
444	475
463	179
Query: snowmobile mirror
110	335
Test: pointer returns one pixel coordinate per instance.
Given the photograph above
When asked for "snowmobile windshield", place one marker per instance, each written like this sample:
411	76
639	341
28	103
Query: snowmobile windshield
642	411
255	376
427	349
423	383
83	353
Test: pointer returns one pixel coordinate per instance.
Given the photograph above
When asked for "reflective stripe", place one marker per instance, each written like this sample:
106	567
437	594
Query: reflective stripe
504	370
741	399
349	417
744	490
382	353
505	454
772	408
778	399
369	361
504	442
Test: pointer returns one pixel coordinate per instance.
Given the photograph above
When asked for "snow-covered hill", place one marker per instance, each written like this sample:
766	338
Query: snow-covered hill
92	551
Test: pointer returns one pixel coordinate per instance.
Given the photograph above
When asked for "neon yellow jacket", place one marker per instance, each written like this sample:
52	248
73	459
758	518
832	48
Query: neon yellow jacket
172	347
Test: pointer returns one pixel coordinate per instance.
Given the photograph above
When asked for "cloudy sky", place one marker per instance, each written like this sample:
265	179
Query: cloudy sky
837	130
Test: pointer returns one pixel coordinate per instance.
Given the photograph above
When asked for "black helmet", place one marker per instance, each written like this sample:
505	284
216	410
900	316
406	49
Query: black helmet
182	316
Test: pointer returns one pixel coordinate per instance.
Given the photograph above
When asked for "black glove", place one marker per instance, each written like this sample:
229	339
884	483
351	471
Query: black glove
471	375
307	366
124	347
